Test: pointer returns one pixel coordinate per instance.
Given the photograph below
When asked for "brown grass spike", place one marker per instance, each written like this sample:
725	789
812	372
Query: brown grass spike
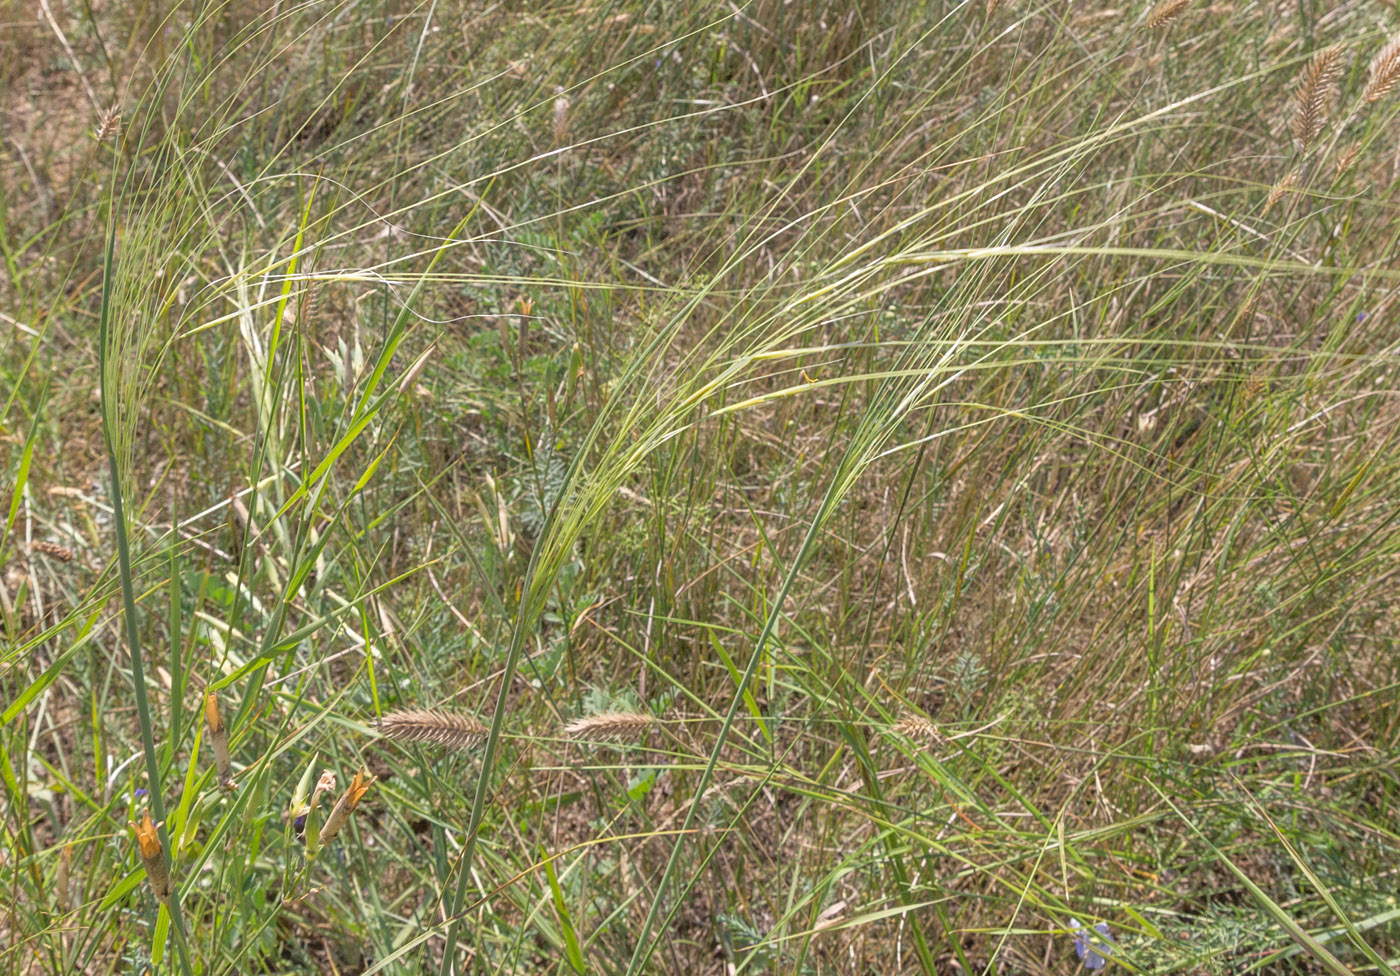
1385	71
1347	158
610	726
109	123
1280	188
1165	12
919	729
451	729
55	551
1313	95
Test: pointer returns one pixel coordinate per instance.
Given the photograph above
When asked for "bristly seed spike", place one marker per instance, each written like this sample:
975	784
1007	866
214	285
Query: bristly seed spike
610	726
919	729
1384	71
1165	12
444	728
1312	96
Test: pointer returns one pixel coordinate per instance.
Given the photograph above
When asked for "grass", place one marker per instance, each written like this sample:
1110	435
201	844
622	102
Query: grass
750	488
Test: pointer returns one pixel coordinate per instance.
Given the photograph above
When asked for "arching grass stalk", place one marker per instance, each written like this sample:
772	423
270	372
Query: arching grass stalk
138	671
901	392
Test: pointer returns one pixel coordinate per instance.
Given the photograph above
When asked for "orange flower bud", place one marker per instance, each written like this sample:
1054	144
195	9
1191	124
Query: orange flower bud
346	805
218	740
152	857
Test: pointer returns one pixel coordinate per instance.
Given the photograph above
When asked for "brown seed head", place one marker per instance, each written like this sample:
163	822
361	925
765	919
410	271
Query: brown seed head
1385	71
53	550
1280	188
918	728
1347	158
610	726
109	124
1312	97
1165	12
450	729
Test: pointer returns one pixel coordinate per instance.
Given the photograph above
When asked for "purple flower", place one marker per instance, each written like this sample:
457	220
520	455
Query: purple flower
1093	946
142	792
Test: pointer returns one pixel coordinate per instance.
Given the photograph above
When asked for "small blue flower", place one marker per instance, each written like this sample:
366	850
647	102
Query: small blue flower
142	792
1095	946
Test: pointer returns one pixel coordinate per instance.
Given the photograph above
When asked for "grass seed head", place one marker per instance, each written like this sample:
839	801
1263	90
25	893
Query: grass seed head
1165	12
561	116
919	729
1312	96
54	551
1280	188
1384	71
451	729
109	124
1347	158
63	892
610	726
